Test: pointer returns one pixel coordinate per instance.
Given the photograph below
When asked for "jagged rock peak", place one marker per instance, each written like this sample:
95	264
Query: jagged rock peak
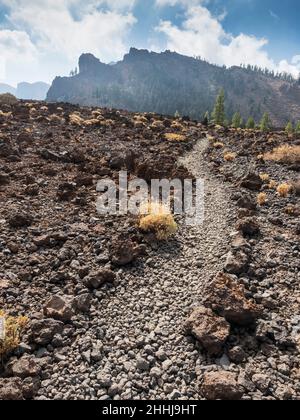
88	62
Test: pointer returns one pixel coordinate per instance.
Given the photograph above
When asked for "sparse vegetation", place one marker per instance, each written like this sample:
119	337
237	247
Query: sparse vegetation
237	120
262	199
219	109
156	218
13	328
285	154
272	185
218	145
283	190
250	124
229	156
292	210
265	124
289	129
76	119
5	114
265	177
175	137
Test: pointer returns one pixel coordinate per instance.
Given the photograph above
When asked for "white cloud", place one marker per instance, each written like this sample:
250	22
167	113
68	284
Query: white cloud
187	3
17	51
57	32
202	34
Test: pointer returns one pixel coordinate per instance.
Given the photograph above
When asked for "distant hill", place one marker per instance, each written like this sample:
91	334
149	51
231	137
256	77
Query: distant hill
168	82
34	91
4	88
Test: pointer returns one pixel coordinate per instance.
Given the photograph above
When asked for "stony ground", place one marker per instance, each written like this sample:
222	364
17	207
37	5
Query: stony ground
108	305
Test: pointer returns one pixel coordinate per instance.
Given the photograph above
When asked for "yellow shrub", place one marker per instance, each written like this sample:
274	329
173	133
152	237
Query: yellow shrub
91	122
262	199
56	119
157	219
108	123
218	145
157	125
210	138
33	111
76	119
175	137
5	114
283	190
96	113
292	210
13	328
272	184
140	118
285	154
265	177
229	157
177	126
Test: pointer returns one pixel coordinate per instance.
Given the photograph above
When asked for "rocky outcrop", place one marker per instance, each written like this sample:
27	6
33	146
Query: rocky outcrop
59	309
221	386
209	329
227	298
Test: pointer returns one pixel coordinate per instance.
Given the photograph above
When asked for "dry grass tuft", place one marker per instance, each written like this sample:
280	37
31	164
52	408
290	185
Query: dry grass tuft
292	210
265	177
76	119
262	199
229	157
156	218
218	145
272	185
13	328
54	118
285	154
5	114
283	190
175	137
177	126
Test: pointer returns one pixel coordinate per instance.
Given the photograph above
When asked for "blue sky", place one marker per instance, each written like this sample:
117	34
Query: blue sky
40	39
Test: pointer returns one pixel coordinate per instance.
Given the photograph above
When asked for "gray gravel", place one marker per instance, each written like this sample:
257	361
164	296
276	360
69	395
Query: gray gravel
135	346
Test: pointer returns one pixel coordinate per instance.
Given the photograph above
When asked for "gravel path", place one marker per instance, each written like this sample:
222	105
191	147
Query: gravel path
135	347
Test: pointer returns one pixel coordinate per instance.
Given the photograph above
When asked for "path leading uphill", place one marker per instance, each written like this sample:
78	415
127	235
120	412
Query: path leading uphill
136	338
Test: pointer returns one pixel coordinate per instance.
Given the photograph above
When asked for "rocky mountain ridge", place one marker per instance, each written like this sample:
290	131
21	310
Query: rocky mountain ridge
168	82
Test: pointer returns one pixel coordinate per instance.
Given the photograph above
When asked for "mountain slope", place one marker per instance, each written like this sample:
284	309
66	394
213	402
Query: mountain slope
167	82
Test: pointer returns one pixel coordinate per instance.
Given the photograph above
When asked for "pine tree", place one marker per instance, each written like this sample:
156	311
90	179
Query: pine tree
289	129
265	122
206	118
297	129
237	120
219	110
250	123
226	123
